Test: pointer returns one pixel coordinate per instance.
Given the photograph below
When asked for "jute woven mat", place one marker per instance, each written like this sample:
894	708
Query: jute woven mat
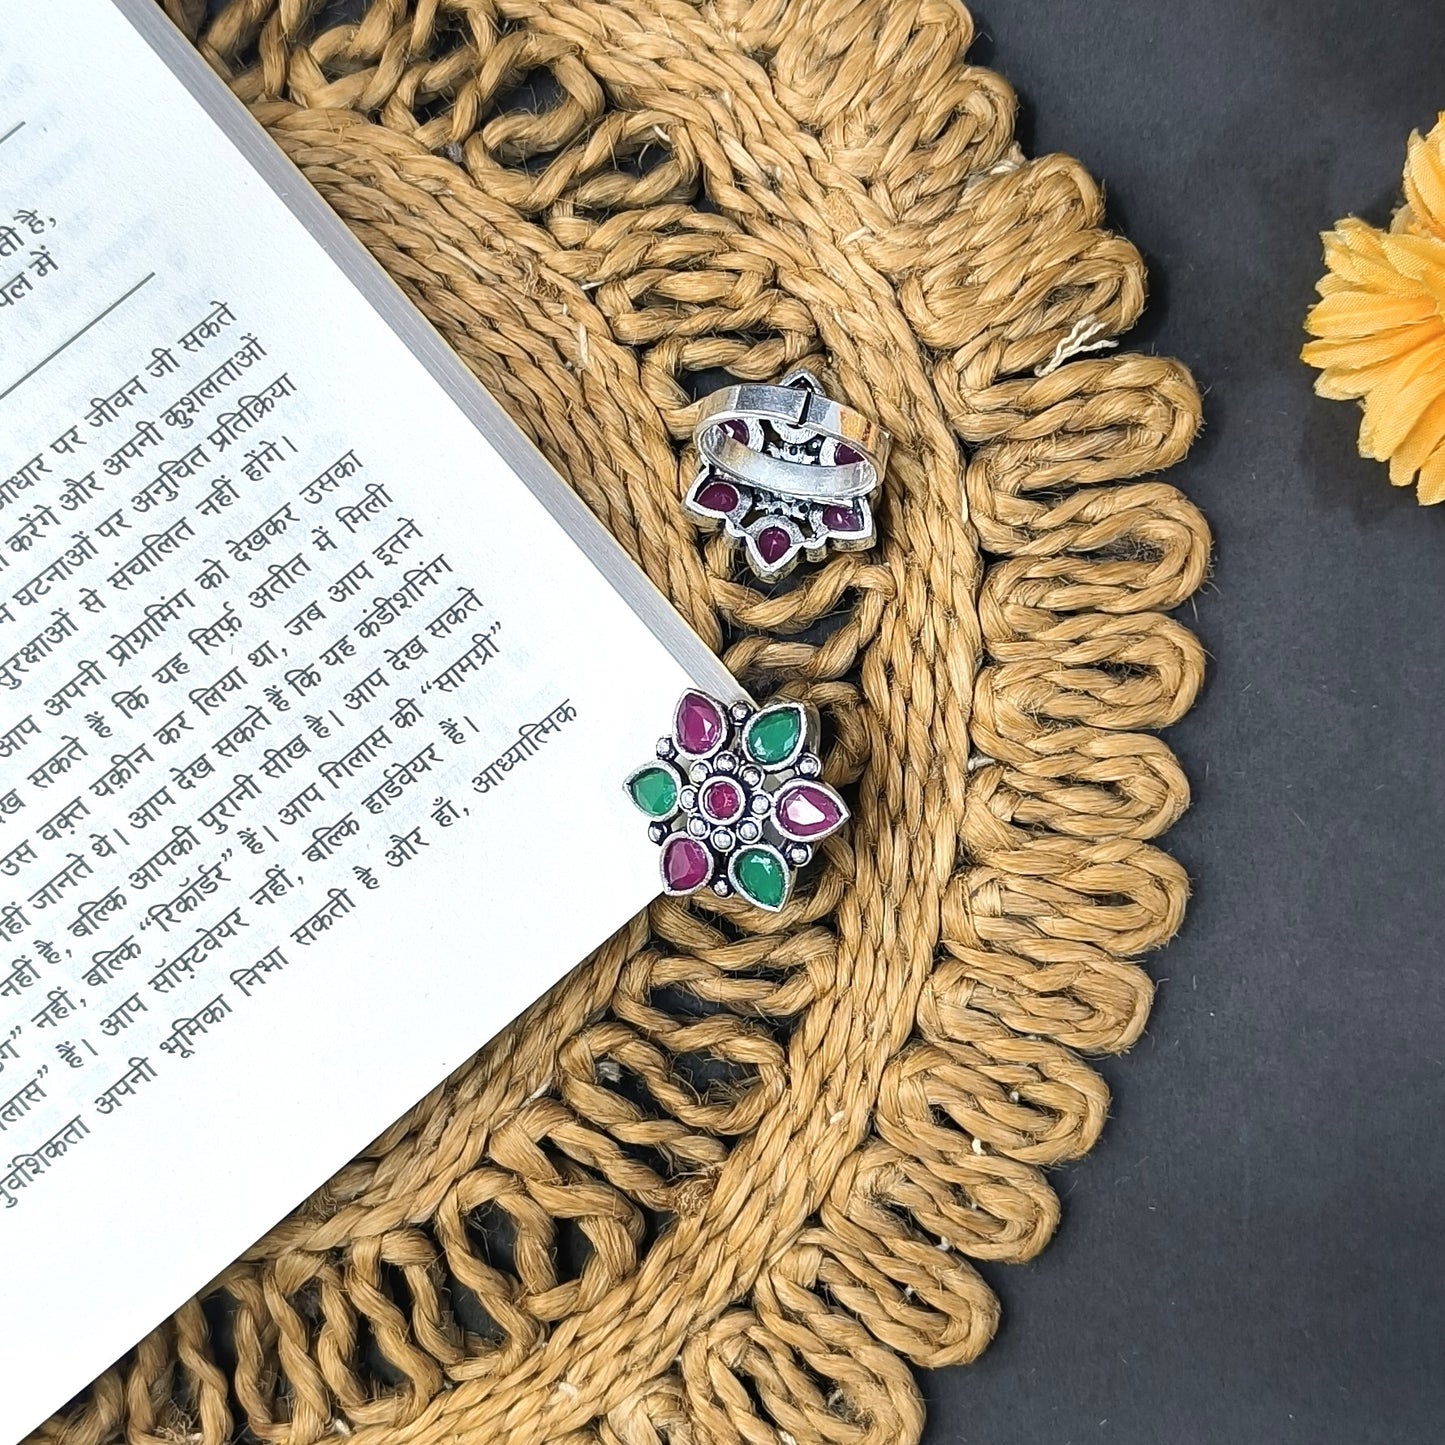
725	1183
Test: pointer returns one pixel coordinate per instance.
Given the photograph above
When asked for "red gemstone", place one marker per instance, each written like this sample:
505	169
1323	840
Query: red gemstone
736	428
722	801
842	519
773	544
846	456
686	864
718	497
807	810
698	725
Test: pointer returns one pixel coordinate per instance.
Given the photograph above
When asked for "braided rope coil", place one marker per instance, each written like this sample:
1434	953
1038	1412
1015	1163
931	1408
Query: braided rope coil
727	1181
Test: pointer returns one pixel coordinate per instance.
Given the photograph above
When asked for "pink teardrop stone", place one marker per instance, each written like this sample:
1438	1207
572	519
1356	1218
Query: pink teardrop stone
698	725
846	456
842	519
773	542
806	811
685	864
736	428
722	801
718	497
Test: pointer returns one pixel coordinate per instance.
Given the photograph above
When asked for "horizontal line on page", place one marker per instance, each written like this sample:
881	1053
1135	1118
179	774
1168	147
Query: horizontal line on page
94	321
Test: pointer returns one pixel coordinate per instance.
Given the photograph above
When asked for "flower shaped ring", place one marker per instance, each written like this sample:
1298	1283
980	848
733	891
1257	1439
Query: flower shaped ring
735	800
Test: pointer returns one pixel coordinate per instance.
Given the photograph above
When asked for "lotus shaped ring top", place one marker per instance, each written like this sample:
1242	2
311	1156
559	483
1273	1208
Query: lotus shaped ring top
786	470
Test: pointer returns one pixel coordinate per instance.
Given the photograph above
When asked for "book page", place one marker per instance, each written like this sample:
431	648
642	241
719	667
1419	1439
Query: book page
315	700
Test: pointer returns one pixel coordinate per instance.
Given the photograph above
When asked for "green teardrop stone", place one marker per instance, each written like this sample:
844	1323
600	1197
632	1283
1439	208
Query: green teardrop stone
654	790
761	877
773	736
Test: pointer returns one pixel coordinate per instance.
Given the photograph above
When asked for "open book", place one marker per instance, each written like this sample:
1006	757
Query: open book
317	690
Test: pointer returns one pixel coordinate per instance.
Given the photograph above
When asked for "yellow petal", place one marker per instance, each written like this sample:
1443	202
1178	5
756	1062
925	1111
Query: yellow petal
1361	351
1415	258
1425	437
1356	253
1432	480
1385	381
1352	313
1329	385
1352	234
1425	180
1392	410
1401	474
1432	282
1340	381
1339	385
1373	274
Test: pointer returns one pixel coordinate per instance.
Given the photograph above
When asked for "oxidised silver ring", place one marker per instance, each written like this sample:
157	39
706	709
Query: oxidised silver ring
786	470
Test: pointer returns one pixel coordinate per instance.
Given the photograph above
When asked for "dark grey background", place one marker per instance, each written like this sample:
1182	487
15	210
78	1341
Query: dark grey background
1254	1253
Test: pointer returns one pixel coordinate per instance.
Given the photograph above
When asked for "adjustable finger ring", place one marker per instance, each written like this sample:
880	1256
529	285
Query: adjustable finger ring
786	471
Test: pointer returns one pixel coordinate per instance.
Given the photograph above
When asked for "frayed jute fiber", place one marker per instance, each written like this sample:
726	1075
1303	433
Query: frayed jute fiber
729	1181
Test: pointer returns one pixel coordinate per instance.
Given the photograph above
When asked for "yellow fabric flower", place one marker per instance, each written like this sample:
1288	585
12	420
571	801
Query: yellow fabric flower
1381	324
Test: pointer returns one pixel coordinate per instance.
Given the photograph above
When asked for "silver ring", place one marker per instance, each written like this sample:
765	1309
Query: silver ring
786	470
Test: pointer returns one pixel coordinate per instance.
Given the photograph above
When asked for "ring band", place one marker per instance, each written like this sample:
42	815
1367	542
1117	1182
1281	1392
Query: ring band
800	408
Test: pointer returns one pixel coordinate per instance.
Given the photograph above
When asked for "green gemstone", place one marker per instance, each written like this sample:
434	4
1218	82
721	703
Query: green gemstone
775	734
654	790
761	877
